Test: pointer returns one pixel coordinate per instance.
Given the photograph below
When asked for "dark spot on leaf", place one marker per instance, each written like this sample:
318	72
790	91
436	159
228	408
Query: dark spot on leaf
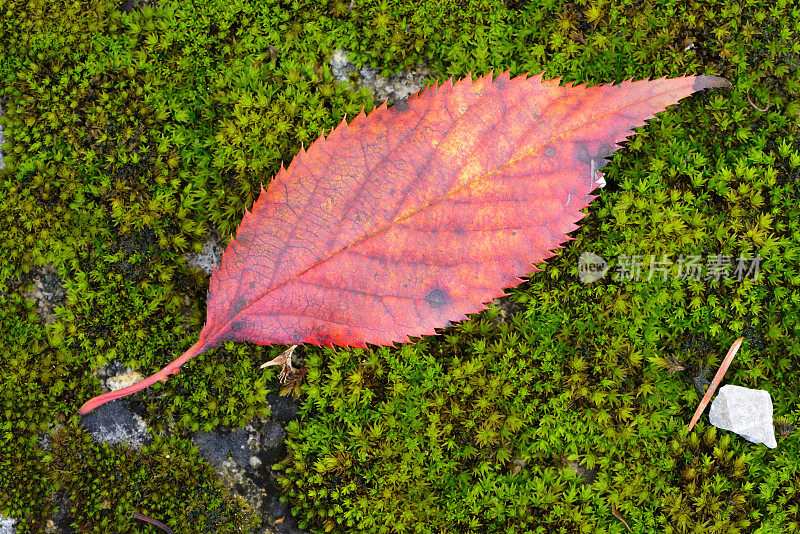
392	191
238	305
401	105
238	326
595	161
603	156
436	298
252	285
549	151
459	231
583	154
501	82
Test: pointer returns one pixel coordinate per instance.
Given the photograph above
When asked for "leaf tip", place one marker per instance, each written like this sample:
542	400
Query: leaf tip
536	78
710	82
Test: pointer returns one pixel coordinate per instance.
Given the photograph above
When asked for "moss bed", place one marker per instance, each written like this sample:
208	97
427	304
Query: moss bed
135	129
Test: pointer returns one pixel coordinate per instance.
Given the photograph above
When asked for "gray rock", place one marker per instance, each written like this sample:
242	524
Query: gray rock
112	369
123	380
273	448
61	522
396	87
217	447
243	460
6	523
115	423
48	292
255	462
747	412
46	438
207	260
116	376
284	409
259	443
341	68
587	476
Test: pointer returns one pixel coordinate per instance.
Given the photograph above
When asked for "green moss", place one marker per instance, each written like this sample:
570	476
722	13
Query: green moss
131	136
166	480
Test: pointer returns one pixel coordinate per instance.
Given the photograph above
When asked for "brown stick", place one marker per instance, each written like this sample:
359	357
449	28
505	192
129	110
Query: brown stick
156	522
717	379
619	516
758	108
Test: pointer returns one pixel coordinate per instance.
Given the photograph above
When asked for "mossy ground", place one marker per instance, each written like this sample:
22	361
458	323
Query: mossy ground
131	135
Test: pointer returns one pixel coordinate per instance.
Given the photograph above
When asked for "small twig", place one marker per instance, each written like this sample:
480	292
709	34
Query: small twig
784	428
619	516
285	361
578	36
717	379
674	365
758	108
156	522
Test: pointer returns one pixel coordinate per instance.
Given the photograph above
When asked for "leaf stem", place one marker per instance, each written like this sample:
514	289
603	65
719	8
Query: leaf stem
161	376
717	379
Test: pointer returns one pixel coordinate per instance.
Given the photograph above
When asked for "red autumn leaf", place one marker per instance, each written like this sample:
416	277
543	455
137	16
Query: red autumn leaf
417	215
